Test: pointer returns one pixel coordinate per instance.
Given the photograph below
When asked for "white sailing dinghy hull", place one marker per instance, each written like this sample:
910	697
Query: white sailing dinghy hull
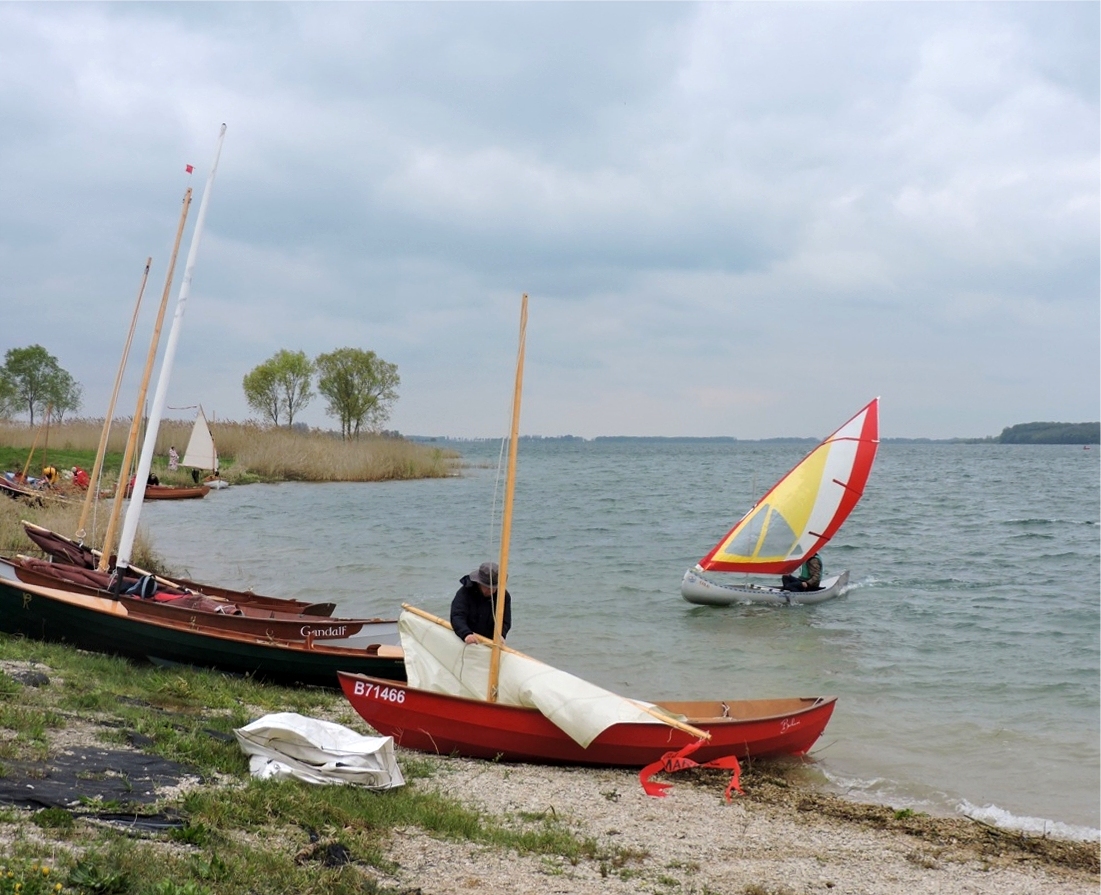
697	589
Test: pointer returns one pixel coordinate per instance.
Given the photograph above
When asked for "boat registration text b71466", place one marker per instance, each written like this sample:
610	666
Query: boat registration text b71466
373	691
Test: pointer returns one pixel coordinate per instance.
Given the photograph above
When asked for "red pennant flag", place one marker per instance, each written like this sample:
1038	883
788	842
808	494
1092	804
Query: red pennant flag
189	168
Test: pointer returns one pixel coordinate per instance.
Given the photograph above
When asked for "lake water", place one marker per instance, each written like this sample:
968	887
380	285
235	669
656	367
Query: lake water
966	655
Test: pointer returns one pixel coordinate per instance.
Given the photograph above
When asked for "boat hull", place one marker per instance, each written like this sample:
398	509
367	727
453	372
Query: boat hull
104	625
697	589
172	492
451	725
241	618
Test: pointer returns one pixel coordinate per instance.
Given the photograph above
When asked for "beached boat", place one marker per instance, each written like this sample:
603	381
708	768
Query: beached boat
107	625
793	521
453	725
188	608
173	492
72	552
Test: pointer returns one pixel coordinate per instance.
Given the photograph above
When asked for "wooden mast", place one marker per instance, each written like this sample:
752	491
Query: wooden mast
506	513
135	422
97	468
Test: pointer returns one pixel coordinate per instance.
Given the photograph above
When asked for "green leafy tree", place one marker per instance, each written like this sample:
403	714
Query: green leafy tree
280	386
39	381
9	400
360	387
65	395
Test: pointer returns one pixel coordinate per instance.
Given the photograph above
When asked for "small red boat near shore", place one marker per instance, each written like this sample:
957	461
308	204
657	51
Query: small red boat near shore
452	725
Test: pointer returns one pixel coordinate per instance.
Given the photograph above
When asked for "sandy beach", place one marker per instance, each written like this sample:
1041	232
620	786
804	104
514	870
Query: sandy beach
773	840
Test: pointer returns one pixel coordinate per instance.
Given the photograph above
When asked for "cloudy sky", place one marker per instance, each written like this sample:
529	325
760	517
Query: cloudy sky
731	219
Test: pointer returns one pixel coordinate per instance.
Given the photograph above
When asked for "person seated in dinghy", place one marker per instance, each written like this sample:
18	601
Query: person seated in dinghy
807	577
474	604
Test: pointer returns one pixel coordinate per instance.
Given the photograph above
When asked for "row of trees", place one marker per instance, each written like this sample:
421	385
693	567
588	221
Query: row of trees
32	380
360	388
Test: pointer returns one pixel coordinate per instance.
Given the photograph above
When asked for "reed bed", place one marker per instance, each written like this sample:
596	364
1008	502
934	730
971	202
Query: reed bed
250	452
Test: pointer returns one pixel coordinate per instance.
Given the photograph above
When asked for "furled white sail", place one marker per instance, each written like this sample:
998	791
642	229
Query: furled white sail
438	661
200	452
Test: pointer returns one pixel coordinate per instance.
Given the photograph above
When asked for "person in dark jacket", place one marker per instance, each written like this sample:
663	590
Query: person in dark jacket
472	609
808	576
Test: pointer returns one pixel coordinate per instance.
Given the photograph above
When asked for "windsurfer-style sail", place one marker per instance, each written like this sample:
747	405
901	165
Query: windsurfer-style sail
794	520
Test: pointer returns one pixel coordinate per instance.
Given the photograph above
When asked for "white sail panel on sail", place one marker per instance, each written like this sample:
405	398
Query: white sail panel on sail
200	452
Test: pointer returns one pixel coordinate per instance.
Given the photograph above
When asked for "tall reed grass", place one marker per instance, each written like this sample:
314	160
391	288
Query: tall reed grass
249	452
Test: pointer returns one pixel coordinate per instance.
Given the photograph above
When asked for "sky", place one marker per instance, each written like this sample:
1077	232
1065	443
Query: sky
731	219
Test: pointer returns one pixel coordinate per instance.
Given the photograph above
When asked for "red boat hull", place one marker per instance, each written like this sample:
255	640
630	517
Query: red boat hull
450	725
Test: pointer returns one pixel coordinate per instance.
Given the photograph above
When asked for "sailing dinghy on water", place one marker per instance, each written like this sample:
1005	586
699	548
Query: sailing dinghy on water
793	521
484	700
201	453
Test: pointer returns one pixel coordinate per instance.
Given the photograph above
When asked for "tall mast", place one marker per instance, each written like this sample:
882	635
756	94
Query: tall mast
506	513
135	421
93	483
130	525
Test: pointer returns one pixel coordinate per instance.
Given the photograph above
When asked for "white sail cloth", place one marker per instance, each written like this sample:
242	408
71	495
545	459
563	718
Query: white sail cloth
286	744
200	452
438	661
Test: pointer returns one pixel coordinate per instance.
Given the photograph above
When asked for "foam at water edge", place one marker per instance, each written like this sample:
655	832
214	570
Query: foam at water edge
999	817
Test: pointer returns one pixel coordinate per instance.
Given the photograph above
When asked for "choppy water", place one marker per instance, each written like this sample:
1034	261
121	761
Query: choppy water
966	657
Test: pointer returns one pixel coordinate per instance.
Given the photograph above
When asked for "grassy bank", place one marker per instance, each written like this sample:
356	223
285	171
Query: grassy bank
221	830
212	828
248	453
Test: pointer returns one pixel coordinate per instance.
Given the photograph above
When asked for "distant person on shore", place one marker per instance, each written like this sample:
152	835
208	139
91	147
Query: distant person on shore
472	609
807	577
80	478
173	459
49	473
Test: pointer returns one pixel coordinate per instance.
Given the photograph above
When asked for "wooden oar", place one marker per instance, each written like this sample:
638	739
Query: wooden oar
650	710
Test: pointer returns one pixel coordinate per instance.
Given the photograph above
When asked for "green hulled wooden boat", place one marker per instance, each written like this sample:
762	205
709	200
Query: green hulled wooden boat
105	625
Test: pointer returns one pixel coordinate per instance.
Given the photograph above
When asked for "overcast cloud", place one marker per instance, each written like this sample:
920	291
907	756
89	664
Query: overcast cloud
732	219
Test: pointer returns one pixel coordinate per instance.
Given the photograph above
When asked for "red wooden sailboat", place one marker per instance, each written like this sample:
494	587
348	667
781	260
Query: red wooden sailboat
453	725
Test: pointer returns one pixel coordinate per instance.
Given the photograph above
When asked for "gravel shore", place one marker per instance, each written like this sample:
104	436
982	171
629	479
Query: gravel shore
775	839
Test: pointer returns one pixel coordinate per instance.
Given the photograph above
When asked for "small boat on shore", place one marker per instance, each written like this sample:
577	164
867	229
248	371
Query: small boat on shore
454	725
186	607
174	492
106	624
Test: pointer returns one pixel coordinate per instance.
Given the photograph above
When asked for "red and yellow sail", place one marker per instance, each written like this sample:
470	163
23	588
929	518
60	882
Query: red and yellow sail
806	507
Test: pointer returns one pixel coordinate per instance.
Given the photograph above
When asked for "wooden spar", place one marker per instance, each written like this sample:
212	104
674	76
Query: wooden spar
664	719
34	444
97	468
145	459
506	514
135	422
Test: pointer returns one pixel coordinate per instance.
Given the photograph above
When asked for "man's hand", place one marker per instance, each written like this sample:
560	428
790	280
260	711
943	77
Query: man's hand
470	638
